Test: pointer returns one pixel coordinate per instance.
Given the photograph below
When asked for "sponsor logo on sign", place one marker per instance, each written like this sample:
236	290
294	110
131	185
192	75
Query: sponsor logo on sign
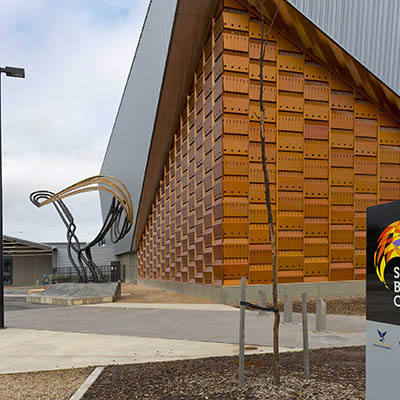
382	336
381	342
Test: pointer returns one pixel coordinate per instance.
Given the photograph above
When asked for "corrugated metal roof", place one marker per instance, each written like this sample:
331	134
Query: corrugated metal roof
19	247
192	21
368	29
129	143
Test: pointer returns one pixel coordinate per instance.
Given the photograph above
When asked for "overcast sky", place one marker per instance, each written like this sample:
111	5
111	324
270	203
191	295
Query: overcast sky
57	121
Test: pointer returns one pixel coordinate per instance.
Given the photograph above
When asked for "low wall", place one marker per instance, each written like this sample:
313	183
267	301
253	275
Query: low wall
231	294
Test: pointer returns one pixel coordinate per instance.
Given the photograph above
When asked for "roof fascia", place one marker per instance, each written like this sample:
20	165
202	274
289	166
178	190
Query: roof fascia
191	24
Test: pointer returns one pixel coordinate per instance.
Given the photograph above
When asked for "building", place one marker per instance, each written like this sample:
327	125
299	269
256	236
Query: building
101	255
191	100
25	262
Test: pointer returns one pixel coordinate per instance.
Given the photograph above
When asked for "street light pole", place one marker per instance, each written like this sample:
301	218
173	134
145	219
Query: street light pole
15	73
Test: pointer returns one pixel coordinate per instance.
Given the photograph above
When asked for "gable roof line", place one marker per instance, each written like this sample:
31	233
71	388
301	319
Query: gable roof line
180	65
303	27
155	122
11	239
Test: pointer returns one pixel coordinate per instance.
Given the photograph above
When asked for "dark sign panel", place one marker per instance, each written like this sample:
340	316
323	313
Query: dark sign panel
383	263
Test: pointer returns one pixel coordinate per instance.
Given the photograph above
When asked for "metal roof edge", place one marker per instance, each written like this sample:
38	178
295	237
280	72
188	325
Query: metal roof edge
343	48
139	223
27	242
154	124
126	84
347	75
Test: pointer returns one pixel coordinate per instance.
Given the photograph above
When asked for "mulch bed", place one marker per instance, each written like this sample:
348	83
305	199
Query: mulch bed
336	374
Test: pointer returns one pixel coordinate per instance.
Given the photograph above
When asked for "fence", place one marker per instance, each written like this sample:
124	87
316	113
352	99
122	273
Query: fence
68	274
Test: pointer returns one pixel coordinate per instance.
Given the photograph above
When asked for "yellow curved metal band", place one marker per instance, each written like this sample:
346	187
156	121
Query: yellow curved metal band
108	184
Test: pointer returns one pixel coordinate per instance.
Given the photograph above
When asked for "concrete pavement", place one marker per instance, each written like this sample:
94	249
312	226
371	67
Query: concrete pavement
48	337
164	306
186	324
17	302
24	350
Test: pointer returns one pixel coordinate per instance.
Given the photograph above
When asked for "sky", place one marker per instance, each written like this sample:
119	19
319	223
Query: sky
56	123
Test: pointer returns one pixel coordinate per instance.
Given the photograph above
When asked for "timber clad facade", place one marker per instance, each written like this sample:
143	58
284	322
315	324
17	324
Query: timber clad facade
331	154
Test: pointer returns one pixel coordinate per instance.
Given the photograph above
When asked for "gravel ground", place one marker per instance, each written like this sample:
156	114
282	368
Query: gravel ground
336	374
349	305
43	385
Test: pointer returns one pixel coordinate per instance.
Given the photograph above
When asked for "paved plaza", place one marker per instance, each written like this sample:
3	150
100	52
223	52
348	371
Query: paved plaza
48	337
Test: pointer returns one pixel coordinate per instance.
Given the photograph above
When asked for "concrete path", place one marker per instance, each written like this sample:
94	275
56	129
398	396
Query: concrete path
61	337
16	290
24	350
164	306
18	303
186	324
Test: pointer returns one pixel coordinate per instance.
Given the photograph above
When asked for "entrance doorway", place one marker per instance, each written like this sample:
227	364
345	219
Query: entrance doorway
7	271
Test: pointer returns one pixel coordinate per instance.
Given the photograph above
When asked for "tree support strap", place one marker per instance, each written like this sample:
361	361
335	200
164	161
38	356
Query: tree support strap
255	307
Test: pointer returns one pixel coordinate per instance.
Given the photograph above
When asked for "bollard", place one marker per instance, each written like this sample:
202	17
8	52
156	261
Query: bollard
305	336
262	302
287	309
320	318
241	332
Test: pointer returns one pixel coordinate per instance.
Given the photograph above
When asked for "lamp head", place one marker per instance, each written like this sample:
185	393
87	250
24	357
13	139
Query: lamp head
14	72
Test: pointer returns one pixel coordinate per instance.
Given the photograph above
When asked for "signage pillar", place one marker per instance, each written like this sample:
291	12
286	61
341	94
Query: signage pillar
383	302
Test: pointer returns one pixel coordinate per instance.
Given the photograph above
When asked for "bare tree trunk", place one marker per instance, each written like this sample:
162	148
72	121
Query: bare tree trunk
268	197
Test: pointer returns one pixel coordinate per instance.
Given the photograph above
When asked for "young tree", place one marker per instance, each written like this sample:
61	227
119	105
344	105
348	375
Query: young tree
264	43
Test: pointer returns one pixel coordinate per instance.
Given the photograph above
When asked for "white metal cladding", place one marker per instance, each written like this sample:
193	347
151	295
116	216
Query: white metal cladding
130	139
102	255
368	29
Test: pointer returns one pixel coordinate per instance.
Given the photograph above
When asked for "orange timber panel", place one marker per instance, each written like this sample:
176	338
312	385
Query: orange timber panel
208	221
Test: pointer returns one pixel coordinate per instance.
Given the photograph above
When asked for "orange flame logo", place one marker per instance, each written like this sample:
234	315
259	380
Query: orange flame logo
388	248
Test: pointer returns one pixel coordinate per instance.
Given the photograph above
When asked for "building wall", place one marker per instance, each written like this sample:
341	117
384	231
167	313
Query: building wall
129	260
102	255
135	119
331	153
27	270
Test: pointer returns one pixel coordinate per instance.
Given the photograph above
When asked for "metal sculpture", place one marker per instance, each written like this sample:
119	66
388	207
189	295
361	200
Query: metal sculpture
121	203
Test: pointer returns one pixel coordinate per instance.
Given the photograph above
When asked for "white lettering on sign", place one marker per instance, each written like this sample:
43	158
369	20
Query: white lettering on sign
396	286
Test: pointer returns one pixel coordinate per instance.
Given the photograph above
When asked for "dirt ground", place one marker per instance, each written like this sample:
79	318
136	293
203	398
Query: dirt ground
336	374
349	305
44	385
144	294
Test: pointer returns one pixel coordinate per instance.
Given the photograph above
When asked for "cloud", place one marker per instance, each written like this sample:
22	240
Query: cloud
57	122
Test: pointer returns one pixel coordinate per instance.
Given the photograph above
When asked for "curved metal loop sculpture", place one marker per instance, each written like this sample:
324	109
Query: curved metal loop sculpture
121	203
